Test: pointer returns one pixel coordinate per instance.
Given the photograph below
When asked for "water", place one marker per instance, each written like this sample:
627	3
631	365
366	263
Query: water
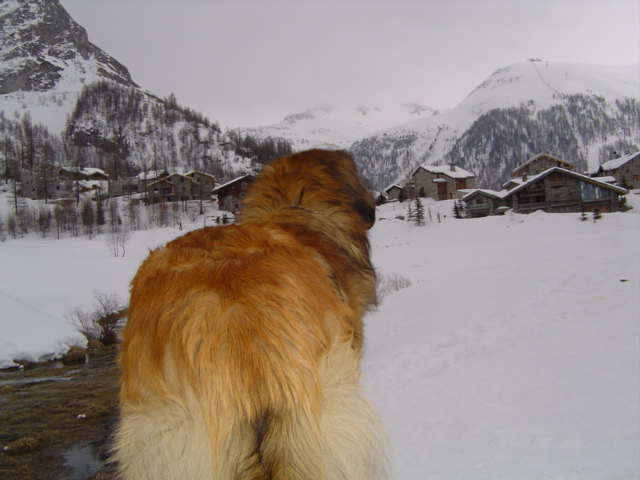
82	461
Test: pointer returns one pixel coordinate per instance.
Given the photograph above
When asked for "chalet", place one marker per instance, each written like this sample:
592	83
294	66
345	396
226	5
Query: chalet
395	192
558	190
539	164
204	183
483	202
555	189
172	188
137	184
626	170
230	194
89	174
442	182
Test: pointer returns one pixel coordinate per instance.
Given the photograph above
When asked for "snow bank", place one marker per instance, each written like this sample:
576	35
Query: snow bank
27	333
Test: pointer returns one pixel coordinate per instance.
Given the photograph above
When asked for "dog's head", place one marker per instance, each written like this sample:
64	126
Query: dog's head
322	181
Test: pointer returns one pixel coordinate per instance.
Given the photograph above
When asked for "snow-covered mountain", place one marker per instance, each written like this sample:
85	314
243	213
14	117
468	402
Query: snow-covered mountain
45	59
574	111
92	112
338	126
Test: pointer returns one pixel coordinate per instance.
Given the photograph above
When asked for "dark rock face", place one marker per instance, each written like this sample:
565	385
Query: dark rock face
39	40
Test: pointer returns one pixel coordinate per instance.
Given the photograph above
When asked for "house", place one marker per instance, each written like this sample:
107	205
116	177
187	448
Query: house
626	170
161	186
52	183
84	173
483	202
558	190
555	189
136	184
395	192
230	194
442	182
172	188
540	163
204	184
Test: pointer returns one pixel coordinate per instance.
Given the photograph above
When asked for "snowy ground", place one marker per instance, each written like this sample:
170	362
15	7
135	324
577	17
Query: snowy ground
514	353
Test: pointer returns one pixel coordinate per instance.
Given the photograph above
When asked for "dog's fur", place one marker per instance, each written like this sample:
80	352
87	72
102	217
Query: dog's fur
242	349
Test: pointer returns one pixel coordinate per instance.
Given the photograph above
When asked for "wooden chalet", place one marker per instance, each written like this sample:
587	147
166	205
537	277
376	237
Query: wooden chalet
540	163
230	194
555	190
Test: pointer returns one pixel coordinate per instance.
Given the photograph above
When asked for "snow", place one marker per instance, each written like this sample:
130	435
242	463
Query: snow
455	172
618	162
514	351
338	126
32	335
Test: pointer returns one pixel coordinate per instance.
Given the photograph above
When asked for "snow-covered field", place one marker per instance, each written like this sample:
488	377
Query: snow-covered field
513	353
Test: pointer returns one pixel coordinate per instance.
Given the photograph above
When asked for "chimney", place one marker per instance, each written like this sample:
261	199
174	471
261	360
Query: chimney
452	167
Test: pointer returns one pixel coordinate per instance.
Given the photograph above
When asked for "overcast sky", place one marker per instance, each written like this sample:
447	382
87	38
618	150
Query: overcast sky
251	62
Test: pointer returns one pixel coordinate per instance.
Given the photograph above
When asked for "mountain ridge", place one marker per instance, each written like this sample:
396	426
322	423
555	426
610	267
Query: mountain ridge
549	95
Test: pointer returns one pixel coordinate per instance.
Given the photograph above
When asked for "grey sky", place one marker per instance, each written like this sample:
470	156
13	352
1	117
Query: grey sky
250	62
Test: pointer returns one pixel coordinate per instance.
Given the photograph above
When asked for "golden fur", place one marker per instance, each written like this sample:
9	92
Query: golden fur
242	349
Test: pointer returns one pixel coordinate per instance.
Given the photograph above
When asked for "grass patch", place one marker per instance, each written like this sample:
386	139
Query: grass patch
44	411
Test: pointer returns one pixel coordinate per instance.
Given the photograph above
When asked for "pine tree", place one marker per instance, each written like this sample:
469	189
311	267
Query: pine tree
419	212
410	212
88	216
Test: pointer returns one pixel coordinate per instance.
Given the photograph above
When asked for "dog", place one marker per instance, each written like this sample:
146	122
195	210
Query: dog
242	349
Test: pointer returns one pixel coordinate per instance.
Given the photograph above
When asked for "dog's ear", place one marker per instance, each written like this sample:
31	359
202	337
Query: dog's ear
366	211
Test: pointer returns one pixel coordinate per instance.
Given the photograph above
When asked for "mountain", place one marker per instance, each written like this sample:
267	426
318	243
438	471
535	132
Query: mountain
581	113
338	126
46	58
64	101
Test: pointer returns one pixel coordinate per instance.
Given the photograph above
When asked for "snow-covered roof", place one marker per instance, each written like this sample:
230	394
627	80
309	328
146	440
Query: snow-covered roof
231	182
394	185
451	171
580	176
538	157
485	191
618	162
87	171
607	179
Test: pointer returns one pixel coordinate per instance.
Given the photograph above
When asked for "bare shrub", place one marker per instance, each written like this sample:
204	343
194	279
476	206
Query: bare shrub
102	322
117	241
391	283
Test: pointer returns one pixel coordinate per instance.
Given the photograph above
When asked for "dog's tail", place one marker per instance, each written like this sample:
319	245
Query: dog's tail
337	436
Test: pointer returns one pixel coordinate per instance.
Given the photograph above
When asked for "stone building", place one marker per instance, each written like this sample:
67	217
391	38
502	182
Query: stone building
442	182
626	170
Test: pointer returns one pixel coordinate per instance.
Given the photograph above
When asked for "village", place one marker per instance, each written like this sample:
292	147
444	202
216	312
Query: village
544	182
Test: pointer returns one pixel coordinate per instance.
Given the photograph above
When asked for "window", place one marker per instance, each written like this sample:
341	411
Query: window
589	191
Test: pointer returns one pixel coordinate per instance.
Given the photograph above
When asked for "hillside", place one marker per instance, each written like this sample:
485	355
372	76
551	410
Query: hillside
45	59
581	113
64	101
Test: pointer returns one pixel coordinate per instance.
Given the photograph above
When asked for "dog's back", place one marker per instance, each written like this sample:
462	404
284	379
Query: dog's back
241	361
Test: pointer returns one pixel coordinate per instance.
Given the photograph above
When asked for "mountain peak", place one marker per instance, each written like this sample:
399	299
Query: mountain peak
41	46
